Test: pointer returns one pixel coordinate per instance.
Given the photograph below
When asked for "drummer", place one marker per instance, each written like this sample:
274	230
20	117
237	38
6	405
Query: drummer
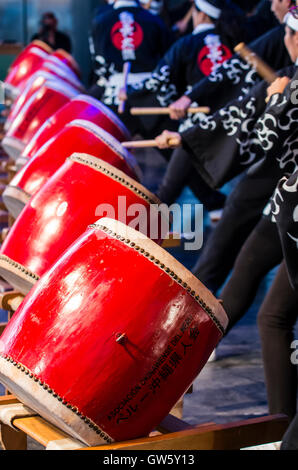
125	33
263	250
224	150
194	56
216	31
233	79
273	240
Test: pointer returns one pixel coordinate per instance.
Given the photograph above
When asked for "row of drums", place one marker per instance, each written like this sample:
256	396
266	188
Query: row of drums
112	330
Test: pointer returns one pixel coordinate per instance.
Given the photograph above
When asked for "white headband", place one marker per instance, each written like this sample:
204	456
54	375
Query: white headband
291	21
209	9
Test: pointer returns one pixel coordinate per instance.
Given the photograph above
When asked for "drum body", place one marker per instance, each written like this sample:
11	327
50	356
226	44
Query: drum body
78	136
27	63
83	189
121	315
81	107
42	104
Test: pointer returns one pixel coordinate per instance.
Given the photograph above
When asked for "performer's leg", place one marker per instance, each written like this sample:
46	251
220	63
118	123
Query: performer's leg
276	321
260	253
241	213
180	173
290	439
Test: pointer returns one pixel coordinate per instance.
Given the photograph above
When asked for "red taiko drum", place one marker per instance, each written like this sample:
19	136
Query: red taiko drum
34	83
63	72
121	315
81	107
27	63
61	56
45	102
82	190
78	136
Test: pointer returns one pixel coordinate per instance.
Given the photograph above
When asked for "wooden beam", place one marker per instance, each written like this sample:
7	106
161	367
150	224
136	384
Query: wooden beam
8	400
232	436
11	300
40	430
11	439
209	436
172	424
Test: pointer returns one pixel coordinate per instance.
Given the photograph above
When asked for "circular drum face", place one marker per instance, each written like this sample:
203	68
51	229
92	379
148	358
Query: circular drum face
111	337
78	136
45	102
83	189
81	107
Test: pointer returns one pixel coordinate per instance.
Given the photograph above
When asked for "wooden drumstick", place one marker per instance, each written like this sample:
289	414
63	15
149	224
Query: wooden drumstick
266	72
126	71
136	144
153	111
147	5
11	300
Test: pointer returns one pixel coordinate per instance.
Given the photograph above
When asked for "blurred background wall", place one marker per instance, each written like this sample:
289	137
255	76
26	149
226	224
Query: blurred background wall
19	20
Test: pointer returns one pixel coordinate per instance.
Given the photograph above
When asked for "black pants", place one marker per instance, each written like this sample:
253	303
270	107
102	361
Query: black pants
277	315
260	253
290	439
180	173
243	210
276	320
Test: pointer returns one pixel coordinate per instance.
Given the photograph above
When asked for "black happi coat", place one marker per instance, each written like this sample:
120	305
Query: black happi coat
190	59
235	77
125	34
285	214
228	142
279	127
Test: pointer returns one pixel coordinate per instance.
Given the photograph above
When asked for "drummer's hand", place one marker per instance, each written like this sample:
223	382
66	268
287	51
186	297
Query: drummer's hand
179	109
122	95
278	86
168	140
